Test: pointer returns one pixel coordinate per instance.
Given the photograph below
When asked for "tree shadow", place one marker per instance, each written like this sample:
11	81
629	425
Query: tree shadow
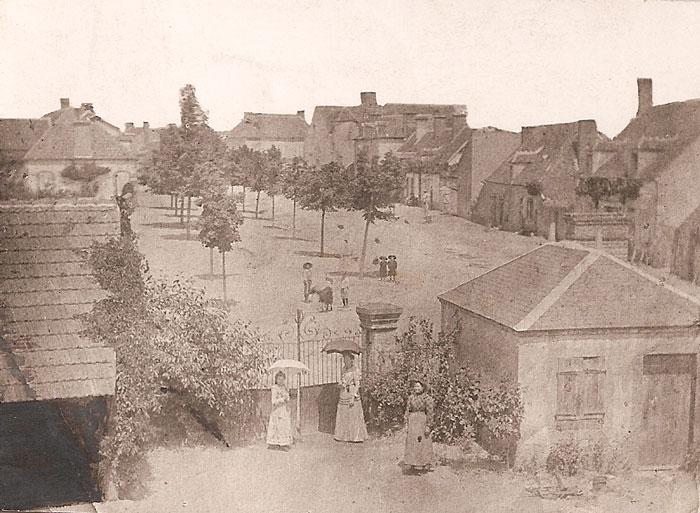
316	254
287	237
273	227
170	226
214	277
356	274
181	237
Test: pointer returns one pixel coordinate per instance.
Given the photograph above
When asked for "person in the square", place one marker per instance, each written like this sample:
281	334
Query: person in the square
344	290
392	265
419	425
307	277
279	428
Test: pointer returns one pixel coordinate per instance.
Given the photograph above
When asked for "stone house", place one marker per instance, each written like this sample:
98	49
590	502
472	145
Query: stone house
601	351
77	137
141	141
56	386
260	132
536	185
339	133
661	147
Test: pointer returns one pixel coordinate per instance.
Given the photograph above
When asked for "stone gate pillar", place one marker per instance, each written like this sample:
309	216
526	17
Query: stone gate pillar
378	322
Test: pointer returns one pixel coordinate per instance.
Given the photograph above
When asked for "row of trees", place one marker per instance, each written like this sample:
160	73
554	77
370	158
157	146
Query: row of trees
193	162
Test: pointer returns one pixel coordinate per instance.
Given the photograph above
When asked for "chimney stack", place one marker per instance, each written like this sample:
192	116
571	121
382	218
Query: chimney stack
128	127
301	114
423	126
587	136
644	92
146	125
368	98
87	106
65	103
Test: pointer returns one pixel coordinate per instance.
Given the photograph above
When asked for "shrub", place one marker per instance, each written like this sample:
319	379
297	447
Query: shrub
575	456
463	404
175	352
83	173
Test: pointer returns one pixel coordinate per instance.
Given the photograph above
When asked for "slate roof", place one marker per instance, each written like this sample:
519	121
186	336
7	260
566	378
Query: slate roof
44	284
75	136
556	287
18	135
548	156
270	127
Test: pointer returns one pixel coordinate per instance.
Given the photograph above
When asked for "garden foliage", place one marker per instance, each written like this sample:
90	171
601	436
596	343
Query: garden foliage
464	404
177	356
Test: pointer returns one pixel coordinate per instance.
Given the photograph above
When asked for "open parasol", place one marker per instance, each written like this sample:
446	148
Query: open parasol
290	366
341	346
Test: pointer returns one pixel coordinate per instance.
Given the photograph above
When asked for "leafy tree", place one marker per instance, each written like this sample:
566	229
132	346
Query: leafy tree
464	404
272	170
291	185
599	187
372	186
178	358
323	189
219	224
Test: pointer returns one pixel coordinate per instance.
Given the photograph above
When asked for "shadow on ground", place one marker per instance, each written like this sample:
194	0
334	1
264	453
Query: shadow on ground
287	237
317	254
170	226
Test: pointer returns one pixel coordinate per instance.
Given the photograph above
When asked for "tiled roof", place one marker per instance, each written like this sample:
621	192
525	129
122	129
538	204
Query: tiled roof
556	287
18	135
270	127
74	136
44	284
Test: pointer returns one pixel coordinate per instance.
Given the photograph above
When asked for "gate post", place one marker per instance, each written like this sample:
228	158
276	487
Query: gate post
378	322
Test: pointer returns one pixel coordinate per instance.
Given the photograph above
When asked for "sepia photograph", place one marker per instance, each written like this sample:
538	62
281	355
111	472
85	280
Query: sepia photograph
340	256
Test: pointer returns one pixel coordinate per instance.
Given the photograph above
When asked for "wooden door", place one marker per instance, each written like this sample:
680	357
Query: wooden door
667	386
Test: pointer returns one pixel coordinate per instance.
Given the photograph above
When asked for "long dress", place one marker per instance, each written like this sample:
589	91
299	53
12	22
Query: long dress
279	429
419	415
349	419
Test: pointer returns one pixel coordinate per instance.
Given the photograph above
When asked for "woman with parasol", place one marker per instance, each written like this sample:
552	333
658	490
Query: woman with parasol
279	428
349	418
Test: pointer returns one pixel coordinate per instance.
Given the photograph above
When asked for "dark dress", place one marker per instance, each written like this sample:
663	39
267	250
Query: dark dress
382	268
419	415
392	267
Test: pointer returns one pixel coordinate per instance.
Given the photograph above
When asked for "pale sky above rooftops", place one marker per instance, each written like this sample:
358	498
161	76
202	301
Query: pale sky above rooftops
513	63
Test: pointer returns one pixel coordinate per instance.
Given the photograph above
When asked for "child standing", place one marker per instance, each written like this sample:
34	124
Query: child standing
306	276
392	266
344	289
382	268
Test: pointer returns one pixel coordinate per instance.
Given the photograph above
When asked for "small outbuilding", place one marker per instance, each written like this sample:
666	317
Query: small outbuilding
602	351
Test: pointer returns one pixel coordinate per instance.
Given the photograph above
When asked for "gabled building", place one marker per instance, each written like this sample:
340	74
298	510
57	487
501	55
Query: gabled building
78	137
601	351
533	188
18	135
661	147
55	384
141	141
340	133
259	131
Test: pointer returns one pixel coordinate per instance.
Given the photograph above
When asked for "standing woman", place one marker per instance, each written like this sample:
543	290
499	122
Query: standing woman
419	420
279	429
349	419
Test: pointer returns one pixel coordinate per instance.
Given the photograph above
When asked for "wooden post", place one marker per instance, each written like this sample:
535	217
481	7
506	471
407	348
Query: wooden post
223	273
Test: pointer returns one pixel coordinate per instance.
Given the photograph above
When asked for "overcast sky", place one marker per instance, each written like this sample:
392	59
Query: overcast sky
513	63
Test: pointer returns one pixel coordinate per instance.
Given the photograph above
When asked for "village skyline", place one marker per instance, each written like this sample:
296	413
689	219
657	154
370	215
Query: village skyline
513	65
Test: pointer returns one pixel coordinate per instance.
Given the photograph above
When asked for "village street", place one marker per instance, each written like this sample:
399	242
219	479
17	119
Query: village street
264	269
321	476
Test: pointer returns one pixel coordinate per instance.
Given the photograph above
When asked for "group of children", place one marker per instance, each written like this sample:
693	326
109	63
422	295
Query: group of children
387	268
325	293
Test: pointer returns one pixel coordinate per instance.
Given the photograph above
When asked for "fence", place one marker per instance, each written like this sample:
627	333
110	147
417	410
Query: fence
304	341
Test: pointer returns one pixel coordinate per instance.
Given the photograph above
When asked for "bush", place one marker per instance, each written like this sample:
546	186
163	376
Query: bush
83	173
463	404
575	456
175	352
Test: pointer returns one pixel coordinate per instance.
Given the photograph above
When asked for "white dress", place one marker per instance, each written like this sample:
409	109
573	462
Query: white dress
279	429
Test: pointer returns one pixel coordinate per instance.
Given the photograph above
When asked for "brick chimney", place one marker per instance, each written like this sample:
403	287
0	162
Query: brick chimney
424	124
644	92
368	98
128	127
87	106
586	139
440	124
146	125
301	114
65	103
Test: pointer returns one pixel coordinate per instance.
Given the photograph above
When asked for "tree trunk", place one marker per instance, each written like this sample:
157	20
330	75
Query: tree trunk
211	262
243	201
257	203
182	211
189	211
223	274
171	201
273	210
364	249
294	220
323	225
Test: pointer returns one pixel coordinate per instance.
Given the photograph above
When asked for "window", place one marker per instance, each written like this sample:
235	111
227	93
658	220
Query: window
580	383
